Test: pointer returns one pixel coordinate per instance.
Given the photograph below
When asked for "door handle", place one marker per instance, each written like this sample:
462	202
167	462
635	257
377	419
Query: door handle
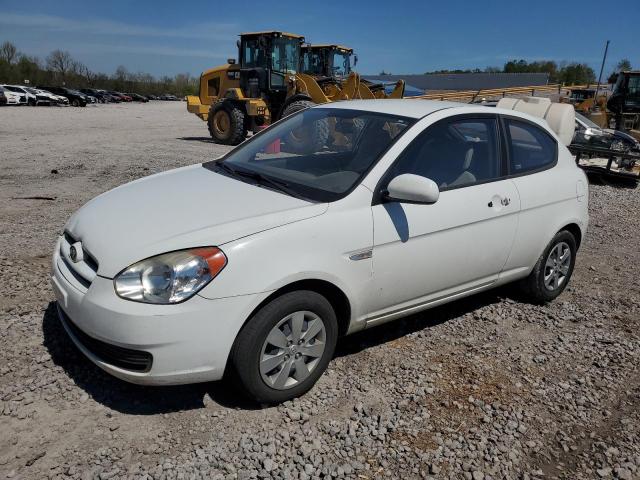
504	201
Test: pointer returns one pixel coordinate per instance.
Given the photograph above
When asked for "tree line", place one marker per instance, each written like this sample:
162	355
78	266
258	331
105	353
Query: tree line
568	73
61	69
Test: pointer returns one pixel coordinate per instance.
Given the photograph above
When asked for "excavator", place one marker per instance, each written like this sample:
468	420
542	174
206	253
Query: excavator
264	85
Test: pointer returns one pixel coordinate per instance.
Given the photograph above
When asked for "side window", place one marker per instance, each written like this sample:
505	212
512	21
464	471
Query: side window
213	87
455	153
530	147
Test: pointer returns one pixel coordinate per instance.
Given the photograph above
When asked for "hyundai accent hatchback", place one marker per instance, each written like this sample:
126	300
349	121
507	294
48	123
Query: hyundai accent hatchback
333	220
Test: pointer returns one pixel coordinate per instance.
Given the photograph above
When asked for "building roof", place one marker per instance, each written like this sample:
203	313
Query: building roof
467	81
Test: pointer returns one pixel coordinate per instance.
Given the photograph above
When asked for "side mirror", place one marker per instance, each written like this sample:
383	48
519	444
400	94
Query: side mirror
410	188
355	60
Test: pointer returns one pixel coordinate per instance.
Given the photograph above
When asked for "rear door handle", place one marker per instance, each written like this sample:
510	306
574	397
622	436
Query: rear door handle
504	201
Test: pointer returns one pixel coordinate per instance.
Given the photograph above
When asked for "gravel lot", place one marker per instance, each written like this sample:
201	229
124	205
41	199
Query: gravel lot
488	387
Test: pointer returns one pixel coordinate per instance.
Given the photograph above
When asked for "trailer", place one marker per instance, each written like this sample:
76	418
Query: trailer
609	166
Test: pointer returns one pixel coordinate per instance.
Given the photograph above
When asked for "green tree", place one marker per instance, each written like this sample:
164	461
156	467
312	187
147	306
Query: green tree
623	65
576	74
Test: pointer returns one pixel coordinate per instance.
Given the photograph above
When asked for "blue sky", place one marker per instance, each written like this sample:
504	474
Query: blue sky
400	37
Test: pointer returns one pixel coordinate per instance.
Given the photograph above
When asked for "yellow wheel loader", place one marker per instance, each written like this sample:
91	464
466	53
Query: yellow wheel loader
330	67
263	86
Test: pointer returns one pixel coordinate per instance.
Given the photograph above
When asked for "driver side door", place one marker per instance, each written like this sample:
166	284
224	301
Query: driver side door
425	253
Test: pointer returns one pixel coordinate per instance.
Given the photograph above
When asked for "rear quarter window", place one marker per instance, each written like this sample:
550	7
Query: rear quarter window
530	147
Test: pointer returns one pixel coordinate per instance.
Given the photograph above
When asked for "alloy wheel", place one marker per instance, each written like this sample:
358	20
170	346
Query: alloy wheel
292	350
557	266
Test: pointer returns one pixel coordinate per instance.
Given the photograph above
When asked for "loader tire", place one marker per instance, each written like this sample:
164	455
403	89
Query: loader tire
306	140
227	123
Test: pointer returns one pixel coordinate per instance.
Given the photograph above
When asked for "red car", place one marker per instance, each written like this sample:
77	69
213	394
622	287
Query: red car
122	96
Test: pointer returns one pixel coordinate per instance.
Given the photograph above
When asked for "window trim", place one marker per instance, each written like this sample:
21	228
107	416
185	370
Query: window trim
500	148
507	141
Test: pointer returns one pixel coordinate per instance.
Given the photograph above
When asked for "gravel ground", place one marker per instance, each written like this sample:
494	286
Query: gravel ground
486	388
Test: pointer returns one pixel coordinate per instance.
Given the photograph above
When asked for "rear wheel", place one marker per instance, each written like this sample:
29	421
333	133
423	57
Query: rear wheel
553	269
285	347
307	139
227	123
75	102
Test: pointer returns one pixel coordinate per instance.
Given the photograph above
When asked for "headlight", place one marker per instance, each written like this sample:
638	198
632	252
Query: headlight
171	277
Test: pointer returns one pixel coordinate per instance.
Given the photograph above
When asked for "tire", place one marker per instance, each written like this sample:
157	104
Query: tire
75	102
534	286
227	123
305	142
286	380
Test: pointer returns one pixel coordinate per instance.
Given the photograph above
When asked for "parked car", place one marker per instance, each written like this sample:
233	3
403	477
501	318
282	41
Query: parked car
97	94
109	98
30	98
138	98
14	98
168	97
42	97
293	239
3	97
590	134
75	98
152	97
122	96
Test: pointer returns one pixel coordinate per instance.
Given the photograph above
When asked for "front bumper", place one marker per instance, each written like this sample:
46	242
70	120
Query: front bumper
184	343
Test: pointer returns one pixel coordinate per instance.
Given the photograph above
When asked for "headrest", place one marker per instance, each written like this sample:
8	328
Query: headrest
561	117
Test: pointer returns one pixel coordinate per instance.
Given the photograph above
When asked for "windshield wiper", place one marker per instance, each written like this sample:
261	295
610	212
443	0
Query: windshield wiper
279	185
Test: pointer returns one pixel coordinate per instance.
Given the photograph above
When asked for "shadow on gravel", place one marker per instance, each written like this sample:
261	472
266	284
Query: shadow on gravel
126	397
140	400
196	139
421	321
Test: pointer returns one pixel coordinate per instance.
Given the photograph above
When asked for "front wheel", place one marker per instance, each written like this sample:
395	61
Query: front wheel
75	102
285	347
227	123
553	269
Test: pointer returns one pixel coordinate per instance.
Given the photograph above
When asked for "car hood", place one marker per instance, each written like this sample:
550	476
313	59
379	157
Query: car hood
183	208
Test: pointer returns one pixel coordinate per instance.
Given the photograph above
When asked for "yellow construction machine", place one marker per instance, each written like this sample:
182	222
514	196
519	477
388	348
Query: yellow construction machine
330	66
266	84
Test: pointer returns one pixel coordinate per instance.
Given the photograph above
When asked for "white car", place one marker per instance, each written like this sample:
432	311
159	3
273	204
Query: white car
45	97
333	220
29	98
14	98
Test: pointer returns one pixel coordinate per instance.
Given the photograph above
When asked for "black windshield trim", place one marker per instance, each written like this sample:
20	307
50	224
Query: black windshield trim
315	194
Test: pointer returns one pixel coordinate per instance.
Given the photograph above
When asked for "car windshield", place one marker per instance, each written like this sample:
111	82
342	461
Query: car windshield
319	154
589	123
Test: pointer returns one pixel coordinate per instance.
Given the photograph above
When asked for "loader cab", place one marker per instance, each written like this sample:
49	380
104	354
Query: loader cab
625	97
331	61
266	59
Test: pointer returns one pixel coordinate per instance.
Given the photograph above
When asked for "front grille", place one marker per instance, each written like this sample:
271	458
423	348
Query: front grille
84	271
125	358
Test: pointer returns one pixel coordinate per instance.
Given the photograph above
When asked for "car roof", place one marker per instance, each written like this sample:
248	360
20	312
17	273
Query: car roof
405	107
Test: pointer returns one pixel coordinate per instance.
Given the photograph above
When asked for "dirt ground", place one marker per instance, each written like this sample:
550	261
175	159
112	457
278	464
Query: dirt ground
488	387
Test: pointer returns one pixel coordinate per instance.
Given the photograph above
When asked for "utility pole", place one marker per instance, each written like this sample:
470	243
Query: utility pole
604	58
